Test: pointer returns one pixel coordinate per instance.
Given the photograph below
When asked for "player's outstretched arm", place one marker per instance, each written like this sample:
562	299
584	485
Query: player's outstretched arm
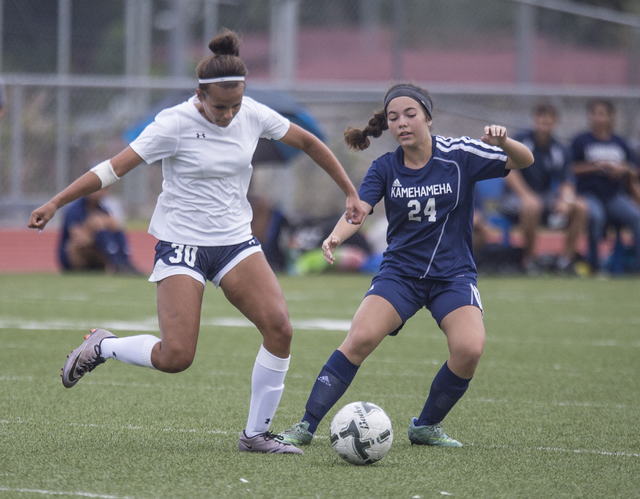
90	182
314	148
340	233
519	156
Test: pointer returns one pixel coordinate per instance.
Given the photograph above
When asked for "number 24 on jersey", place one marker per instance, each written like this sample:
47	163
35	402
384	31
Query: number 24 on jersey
416	210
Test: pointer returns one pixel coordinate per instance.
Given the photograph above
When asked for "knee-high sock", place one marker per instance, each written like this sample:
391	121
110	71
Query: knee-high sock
334	379
134	350
447	388
267	385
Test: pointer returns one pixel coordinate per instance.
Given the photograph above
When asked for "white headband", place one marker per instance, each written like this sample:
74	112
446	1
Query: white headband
221	79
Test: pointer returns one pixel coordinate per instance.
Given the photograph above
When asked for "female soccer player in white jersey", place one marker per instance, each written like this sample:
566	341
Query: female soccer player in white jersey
203	222
427	184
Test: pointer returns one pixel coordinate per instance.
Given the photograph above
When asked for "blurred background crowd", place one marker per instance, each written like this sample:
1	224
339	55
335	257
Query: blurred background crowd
81	79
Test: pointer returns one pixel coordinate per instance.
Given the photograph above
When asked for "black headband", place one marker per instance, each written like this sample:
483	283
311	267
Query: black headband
408	91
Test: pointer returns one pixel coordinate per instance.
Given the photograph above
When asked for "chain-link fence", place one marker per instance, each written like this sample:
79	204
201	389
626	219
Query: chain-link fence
76	85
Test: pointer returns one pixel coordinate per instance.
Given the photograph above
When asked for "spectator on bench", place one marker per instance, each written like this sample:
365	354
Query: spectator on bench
606	172
93	238
544	193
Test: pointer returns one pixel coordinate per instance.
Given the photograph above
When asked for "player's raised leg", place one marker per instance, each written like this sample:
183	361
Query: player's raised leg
252	287
179	305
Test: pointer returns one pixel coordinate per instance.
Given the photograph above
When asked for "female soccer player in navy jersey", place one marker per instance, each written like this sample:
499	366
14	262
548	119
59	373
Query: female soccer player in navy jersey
427	184
203	222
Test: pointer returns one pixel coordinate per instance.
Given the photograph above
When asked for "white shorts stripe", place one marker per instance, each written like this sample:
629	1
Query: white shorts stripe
161	271
475	293
238	258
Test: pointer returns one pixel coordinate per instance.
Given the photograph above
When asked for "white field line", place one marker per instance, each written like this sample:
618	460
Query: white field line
556	403
151	324
223	432
59	493
556	449
498	401
119	428
609	321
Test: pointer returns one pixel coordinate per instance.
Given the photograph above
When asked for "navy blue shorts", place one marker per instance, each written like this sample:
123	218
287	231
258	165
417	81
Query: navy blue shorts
408	295
200	262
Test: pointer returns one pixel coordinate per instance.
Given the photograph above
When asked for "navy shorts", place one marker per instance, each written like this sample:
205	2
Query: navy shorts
408	295
200	262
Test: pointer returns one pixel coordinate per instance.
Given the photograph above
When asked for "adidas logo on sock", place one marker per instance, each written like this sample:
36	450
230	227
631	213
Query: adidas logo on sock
396	183
325	380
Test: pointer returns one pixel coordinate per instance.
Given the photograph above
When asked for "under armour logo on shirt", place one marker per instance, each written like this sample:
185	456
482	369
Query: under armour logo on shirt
200	136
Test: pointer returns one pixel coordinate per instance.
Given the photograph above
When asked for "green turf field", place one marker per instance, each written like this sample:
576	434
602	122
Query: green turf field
553	411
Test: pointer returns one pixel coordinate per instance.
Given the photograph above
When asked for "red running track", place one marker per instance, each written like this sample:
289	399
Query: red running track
27	251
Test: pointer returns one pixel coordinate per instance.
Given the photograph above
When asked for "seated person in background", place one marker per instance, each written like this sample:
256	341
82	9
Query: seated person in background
545	193
92	237
3	100
480	231
634	185
605	171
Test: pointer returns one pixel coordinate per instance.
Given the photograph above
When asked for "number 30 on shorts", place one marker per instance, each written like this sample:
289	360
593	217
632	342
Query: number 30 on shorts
429	210
186	252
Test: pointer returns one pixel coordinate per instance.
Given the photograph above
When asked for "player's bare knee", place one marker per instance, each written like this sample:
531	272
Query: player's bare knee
468	354
173	362
357	347
278	329
175	366
472	357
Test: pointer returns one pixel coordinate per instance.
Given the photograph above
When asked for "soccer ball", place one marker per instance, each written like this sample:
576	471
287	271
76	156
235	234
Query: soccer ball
361	433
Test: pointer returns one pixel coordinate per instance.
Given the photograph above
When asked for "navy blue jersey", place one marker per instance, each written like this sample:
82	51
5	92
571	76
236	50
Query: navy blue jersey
587	148
430	210
550	166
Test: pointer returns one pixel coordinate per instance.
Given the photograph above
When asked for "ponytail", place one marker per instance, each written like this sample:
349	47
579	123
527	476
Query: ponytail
358	139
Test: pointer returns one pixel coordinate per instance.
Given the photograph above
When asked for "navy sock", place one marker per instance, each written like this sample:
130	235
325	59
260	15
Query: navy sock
446	389
111	246
332	382
123	250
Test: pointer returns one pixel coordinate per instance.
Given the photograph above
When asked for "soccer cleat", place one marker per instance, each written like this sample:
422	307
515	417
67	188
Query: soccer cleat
430	435
265	442
85	358
297	435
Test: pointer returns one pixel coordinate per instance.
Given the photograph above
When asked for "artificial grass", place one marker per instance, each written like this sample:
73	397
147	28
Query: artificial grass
552	411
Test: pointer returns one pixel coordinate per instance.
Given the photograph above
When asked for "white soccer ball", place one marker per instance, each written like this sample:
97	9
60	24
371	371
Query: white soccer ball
361	433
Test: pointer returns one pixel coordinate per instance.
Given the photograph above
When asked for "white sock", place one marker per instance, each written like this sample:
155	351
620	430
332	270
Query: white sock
134	350
267	385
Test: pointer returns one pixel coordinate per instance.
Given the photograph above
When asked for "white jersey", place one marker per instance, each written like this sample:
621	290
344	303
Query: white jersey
206	171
